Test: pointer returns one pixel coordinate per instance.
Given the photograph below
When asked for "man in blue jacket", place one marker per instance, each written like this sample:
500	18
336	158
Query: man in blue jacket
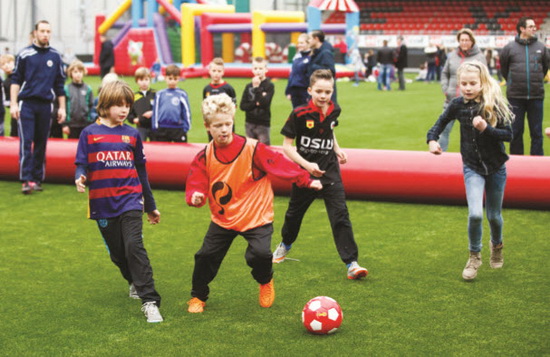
322	56
37	80
524	63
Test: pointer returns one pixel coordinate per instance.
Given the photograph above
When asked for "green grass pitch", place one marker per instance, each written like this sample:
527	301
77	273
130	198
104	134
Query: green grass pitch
61	296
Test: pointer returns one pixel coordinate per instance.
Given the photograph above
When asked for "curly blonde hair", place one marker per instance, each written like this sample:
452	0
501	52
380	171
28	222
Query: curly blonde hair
217	104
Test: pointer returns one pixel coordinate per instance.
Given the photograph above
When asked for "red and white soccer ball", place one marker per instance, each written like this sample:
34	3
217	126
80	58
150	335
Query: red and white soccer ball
322	315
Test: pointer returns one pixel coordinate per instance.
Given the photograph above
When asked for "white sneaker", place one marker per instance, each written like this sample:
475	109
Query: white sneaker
132	292
355	271
280	253
470	270
151	311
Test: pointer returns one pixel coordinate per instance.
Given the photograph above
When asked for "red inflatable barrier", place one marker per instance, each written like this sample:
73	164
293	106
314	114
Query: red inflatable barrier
400	176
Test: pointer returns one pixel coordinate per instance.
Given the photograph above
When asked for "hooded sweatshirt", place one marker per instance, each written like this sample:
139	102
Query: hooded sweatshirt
449	82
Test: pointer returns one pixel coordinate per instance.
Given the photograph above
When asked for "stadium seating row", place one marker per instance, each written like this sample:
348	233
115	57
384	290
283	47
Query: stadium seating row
495	17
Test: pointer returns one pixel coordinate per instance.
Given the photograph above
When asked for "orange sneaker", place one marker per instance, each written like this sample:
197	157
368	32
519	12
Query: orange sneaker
267	294
196	305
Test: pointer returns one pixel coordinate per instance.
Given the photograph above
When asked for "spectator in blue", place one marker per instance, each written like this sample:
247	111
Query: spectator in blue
298	82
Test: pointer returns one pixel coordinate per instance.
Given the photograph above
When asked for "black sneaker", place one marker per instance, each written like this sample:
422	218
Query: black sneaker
36	186
26	188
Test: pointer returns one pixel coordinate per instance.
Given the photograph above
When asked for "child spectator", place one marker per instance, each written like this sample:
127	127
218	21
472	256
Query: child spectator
296	89
7	63
109	77
485	123
111	161
142	109
80	100
312	126
240	166
256	102
172	113
217	85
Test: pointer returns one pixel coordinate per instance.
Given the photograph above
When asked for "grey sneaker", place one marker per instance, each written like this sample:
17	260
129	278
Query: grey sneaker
132	292
151	311
26	188
470	270
280	253
497	260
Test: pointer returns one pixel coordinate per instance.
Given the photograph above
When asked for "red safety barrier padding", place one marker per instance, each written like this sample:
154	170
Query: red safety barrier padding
398	176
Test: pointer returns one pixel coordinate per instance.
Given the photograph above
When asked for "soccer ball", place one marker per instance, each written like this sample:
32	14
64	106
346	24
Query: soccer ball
322	315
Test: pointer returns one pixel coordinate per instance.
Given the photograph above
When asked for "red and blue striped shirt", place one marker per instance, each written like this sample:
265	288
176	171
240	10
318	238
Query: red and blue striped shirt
113	162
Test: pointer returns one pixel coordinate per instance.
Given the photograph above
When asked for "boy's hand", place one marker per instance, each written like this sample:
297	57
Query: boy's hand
547	132
288	96
435	148
153	217
81	184
197	198
66	130
316	185
479	123
256	81
342	157
136	120
314	169
148	114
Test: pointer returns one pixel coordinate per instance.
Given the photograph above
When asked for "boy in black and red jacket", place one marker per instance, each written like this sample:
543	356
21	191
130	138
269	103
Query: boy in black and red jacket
142	109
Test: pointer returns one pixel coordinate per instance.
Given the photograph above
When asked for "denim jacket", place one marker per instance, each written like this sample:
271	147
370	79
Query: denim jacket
483	151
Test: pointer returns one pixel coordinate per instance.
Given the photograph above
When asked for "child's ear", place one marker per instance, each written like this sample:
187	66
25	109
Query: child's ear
309	90
207	126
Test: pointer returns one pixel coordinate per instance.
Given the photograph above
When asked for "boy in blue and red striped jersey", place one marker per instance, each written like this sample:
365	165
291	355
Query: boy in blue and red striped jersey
110	158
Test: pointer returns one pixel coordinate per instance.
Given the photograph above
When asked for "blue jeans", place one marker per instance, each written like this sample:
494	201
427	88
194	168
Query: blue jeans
384	77
493	187
534	110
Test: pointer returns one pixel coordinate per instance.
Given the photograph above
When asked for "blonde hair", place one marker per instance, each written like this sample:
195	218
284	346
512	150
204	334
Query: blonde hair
217	104
141	73
304	35
114	93
494	106
7	58
76	65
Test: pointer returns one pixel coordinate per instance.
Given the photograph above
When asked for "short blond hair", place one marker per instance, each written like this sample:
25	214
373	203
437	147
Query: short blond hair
76	65
217	104
259	60
114	93
7	58
142	72
218	61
